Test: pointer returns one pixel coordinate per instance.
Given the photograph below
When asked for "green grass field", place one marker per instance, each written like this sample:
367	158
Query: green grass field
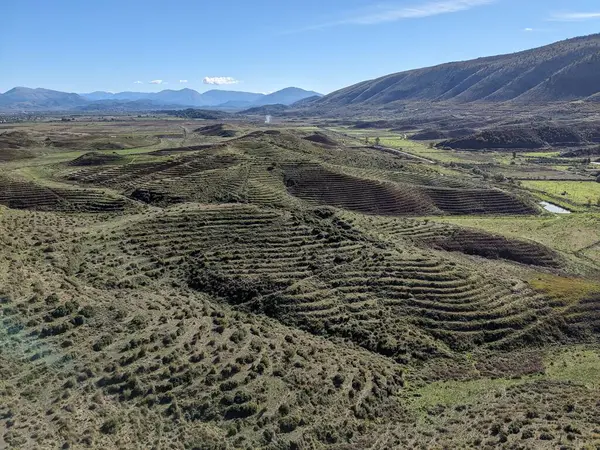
567	233
579	365
419	149
423	150
540	154
578	192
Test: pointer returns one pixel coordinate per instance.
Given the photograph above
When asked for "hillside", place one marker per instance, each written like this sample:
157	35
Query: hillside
286	96
307	101
534	136
265	110
563	71
171	283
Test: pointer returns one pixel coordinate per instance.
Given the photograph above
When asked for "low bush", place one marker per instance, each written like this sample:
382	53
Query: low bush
241	411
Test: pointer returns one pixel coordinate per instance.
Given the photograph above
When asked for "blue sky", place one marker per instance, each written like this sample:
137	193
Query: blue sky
263	45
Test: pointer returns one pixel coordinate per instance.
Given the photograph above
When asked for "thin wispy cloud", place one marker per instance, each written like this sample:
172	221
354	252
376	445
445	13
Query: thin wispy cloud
220	80
156	82
384	13
183	81
529	30
138	82
574	16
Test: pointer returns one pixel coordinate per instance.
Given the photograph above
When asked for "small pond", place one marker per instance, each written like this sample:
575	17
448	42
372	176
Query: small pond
554	208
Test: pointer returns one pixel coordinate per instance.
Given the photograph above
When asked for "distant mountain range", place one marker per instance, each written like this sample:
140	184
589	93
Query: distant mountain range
27	99
564	71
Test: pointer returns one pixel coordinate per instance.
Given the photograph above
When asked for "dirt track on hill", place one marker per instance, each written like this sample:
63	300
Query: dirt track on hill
400	152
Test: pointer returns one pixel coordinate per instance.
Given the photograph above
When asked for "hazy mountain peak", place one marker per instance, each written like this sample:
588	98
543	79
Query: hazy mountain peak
28	98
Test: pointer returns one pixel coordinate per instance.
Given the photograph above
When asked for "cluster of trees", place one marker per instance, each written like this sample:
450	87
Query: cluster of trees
377	141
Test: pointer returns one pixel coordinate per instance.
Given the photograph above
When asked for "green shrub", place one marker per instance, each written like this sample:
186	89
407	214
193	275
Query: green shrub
235	289
241	411
241	397
288	424
230	370
228	385
103	342
238	336
64	310
338	380
87	311
55	330
111	426
52	299
545	436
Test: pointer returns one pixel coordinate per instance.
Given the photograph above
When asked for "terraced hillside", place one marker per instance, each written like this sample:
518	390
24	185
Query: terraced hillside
273	291
20	194
314	183
319	272
256	167
490	246
104	360
458	239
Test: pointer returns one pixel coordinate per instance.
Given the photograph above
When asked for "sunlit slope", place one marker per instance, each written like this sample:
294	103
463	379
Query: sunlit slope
563	71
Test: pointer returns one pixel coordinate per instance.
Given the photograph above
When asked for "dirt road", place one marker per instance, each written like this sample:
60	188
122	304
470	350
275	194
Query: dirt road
400	152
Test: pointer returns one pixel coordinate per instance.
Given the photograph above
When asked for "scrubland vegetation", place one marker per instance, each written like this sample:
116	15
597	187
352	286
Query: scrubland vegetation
207	285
